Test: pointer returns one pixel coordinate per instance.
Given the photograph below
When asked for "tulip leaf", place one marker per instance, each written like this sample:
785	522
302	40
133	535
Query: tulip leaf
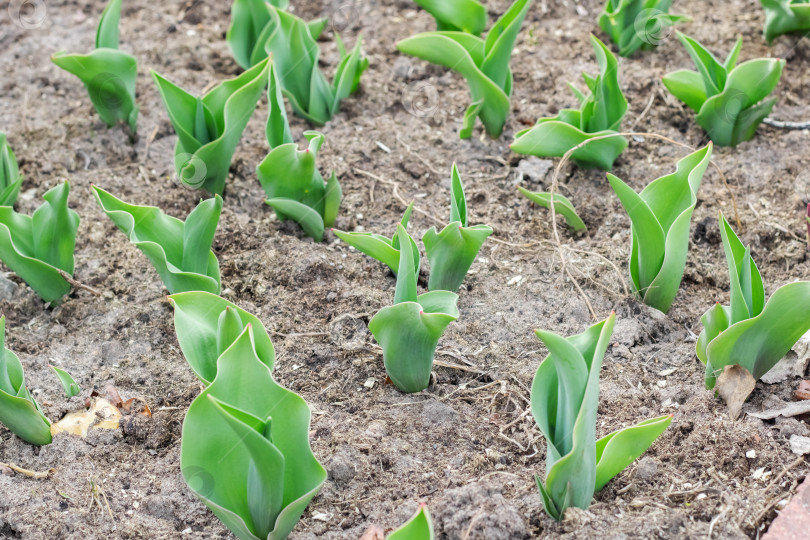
564	401
180	252
452	251
207	325
245	447
468	16
40	247
660	217
10	179
785	17
484	64
562	205
419	527
19	411
209	127
600	115
70	385
730	99
638	24
107	73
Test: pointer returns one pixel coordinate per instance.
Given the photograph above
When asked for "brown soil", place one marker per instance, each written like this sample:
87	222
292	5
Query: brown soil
466	446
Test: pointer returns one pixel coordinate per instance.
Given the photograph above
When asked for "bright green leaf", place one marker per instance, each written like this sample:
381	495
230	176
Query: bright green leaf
785	16
419	527
70	385
562	205
10	179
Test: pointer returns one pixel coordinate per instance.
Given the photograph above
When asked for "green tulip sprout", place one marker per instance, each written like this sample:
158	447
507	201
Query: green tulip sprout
600	114
730	100
108	74
10	179
252	21
452	251
637	24
562	206
19	411
180	252
207	325
468	16
564	401
291	43
419	527
68	383
749	332
39	248
785	17
385	250
484	63
245	444
209	128
294	187
409	331
660	217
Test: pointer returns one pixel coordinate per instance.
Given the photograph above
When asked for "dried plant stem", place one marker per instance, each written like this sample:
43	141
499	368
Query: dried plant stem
25	472
786	125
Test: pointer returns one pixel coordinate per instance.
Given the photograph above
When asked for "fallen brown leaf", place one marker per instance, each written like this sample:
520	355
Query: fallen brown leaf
734	385
803	391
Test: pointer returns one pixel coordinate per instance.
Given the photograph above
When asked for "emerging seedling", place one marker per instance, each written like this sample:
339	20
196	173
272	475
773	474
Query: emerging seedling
660	217
385	250
637	24
562	206
291	43
289	176
785	16
19	411
600	114
245	444
750	333
419	527
108	74
564	400
39	248
468	16
180	252
452	251
206	325
68	383
730	101
252	22
10	179
209	128
409	331
484	63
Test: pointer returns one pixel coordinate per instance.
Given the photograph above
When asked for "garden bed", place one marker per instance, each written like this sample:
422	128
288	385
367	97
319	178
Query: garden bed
467	446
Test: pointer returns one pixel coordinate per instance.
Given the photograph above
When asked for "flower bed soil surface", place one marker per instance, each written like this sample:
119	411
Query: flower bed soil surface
468	445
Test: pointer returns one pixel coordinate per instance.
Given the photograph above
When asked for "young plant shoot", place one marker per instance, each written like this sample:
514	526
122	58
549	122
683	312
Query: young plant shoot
419	527
208	128
385	250
660	217
730	100
10	179
638	24
108	74
749	332
252	21
206	325
291	42
468	16
564	401
600	114
180	252
289	176
39	248
785	17
68	383
409	331
484	63
452	251
19	411
562	206
245	444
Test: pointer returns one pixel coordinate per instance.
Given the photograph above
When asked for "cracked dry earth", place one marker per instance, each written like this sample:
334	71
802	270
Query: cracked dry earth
467	446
